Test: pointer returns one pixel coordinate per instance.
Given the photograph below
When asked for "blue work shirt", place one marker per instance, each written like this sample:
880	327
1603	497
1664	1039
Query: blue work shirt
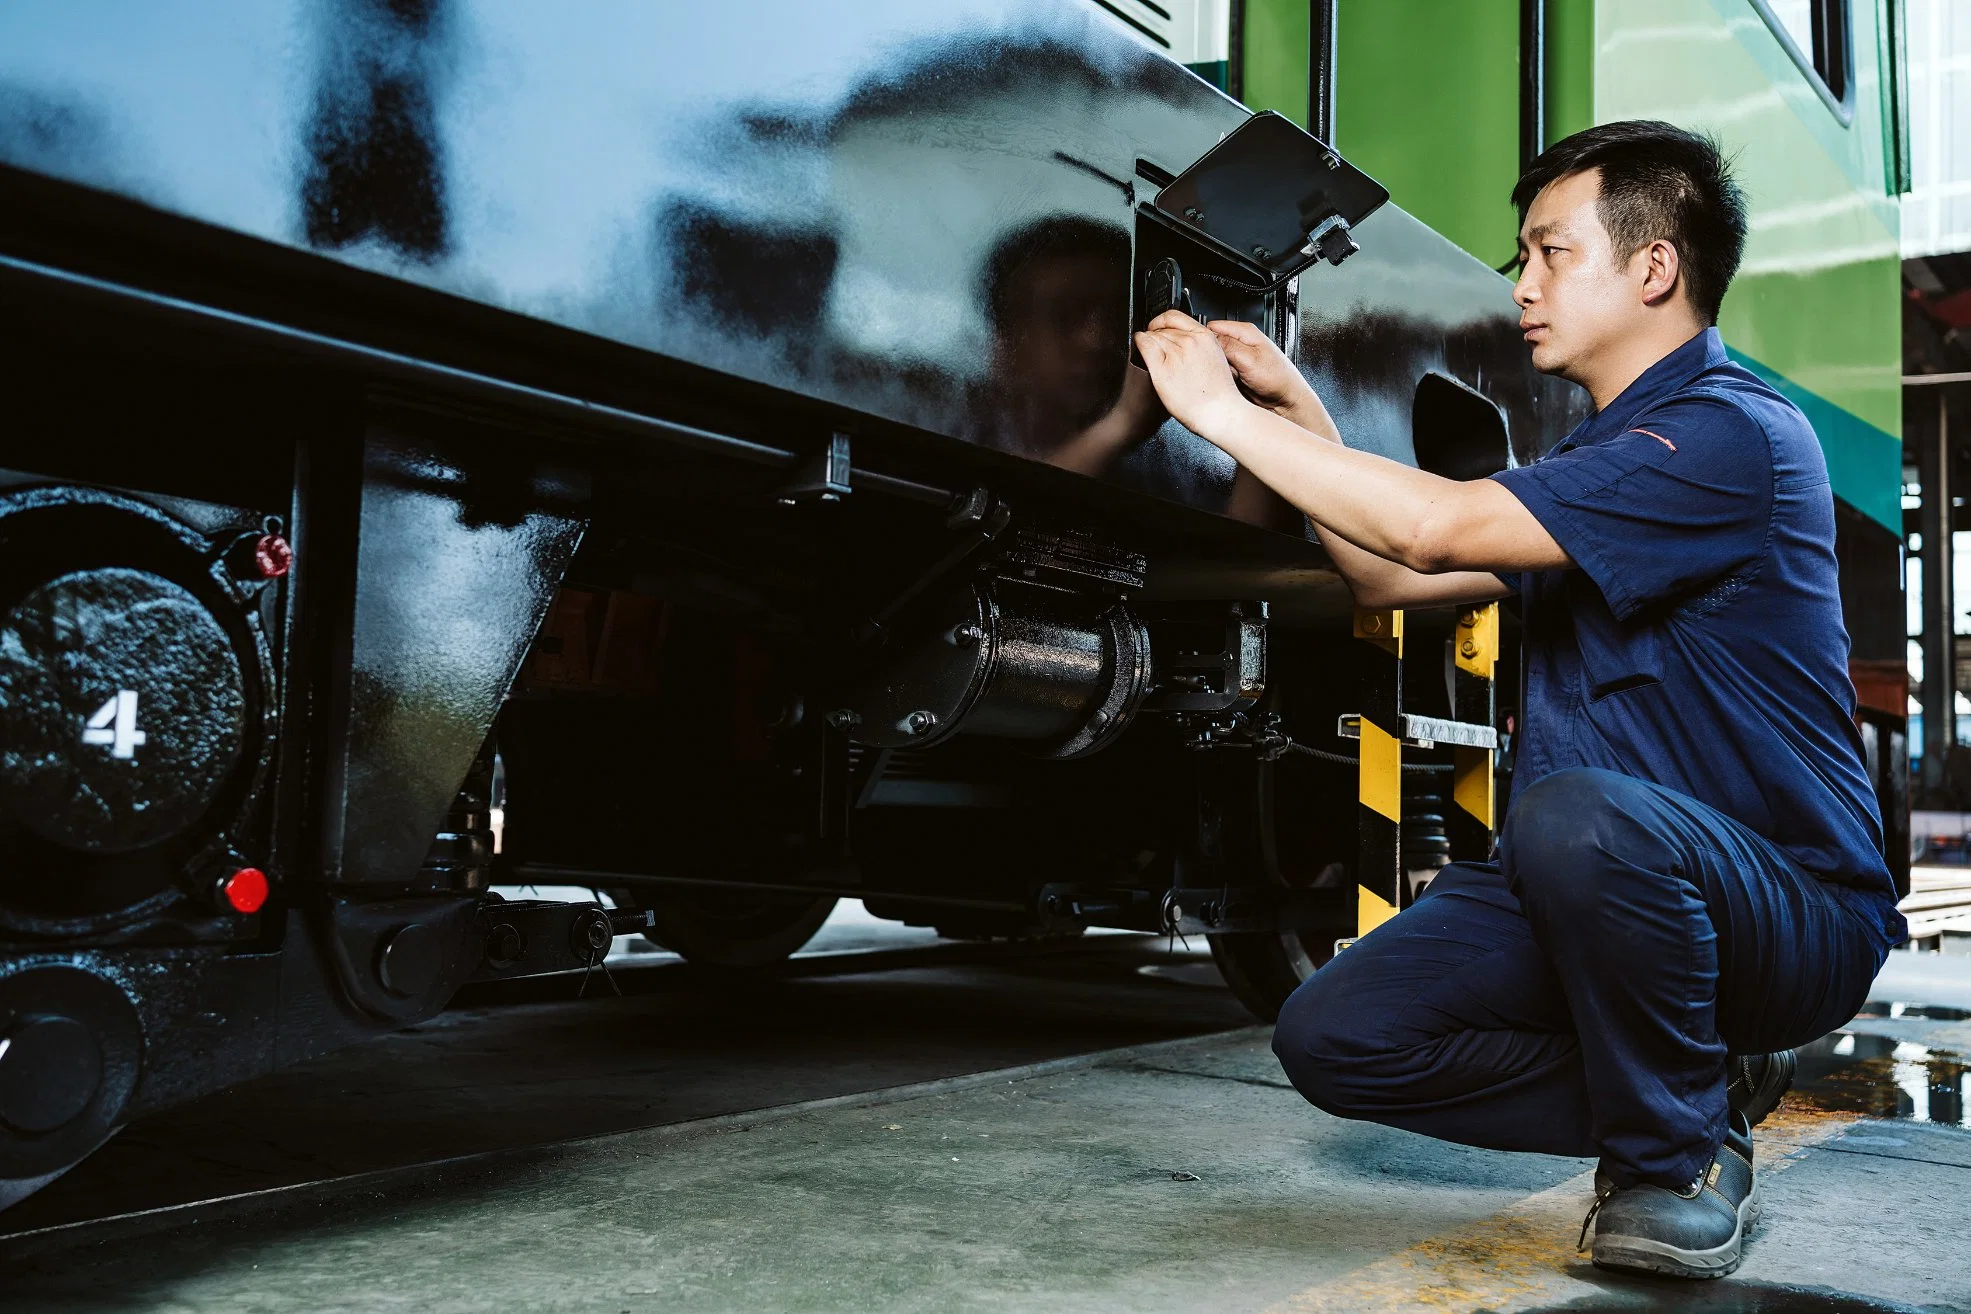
1700	645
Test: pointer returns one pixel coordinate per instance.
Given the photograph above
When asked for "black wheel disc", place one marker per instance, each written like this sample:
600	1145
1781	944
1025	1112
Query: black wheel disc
122	710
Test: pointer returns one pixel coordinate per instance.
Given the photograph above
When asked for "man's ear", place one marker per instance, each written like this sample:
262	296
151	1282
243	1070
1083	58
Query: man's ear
1661	269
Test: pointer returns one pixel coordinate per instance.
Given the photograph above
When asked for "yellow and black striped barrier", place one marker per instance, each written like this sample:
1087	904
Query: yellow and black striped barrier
1379	874
1475	655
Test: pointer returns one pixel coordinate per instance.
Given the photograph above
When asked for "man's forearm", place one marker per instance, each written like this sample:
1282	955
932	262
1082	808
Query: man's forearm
1431	525
1390	511
1375	581
1419	520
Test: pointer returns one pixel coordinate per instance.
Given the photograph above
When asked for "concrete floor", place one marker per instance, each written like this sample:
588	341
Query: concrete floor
1066	1190
762	1155
525	1064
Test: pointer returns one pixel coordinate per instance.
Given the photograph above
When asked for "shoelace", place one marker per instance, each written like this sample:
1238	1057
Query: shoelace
1738	1086
1602	1194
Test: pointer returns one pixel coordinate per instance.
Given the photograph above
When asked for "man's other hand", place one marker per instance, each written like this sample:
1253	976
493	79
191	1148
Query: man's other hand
1192	377
1268	377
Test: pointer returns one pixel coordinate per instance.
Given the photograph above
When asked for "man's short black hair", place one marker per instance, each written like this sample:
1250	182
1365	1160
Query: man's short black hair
1061	236
1658	182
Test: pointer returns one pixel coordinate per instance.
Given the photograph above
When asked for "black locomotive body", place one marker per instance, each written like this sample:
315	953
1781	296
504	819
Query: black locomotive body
718	425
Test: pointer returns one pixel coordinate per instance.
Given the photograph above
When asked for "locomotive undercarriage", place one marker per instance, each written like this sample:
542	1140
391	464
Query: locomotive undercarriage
295	598
1013	749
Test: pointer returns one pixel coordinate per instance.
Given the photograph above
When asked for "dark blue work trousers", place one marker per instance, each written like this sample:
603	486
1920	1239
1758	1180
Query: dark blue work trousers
1578	996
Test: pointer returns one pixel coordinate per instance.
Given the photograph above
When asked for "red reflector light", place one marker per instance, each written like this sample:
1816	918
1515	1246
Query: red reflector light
245	890
272	556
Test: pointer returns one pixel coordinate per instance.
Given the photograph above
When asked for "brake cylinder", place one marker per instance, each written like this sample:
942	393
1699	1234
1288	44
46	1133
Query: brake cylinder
1030	653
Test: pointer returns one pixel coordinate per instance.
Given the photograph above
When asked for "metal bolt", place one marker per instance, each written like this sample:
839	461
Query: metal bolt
1468	648
1467	618
844	718
591	935
1098	720
788	501
964	636
1261	252
504	945
1193	213
920	722
1331	161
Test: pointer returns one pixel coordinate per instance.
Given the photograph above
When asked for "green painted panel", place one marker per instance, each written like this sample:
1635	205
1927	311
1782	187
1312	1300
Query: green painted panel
1427	102
1864	464
1836	331
1570	67
1276	49
1817	302
1856	145
1715	64
1212	71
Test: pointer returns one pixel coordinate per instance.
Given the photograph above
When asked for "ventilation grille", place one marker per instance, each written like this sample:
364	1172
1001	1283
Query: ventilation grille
1192	32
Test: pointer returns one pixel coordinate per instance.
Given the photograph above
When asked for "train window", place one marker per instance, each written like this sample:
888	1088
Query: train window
1817	34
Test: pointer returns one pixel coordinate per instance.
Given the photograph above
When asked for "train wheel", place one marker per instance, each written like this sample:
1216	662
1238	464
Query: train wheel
1263	969
734	928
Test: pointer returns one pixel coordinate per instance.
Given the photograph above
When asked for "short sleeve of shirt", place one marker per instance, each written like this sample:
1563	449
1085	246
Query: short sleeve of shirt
1676	502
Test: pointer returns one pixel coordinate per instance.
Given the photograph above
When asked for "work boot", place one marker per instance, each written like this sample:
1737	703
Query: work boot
1755	1083
1697	1232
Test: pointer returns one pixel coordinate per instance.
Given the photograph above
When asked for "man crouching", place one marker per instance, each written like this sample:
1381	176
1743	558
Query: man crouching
1690	878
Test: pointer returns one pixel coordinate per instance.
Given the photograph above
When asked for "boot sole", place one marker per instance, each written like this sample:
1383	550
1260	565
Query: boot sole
1637	1254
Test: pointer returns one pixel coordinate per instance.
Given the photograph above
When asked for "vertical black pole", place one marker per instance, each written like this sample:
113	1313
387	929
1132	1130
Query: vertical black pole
1532	80
1235	51
1939	692
1321	69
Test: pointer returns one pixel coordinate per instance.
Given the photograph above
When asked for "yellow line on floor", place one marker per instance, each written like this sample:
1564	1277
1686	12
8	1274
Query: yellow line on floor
1523	1257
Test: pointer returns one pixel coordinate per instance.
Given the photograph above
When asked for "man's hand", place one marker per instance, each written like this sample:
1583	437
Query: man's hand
1191	374
1400	536
1268	377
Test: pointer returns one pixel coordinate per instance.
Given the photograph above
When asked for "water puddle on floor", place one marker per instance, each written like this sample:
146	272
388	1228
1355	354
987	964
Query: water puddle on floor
1883	1076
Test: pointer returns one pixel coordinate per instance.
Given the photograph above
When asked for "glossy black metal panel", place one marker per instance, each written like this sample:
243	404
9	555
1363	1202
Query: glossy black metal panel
1411	305
922	212
457	558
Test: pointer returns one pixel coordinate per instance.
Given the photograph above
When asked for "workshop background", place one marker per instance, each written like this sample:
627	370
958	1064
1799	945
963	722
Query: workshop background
922	1111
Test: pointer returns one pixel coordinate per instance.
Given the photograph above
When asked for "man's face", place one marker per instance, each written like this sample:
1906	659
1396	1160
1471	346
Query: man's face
1577	296
1065	339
